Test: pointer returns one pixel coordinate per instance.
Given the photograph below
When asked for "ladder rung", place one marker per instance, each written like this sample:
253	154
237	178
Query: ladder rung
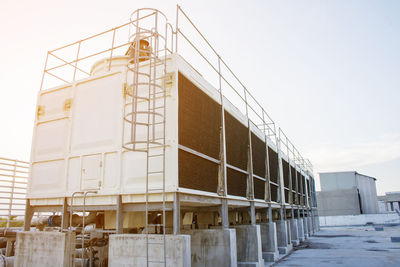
155	172
158	107
140	97
158	155
155	224
157	261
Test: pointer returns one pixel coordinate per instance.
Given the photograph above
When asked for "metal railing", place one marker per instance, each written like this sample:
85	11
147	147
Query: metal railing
13	185
73	62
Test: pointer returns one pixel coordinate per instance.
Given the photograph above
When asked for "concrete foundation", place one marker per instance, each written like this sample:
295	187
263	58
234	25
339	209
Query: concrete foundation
310	226
213	247
248	245
300	226
130	250
294	230
283	234
305	227
44	249
269	241
363	219
316	223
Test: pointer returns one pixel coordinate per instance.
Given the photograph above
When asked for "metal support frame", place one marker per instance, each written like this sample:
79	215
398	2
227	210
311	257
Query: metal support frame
119	218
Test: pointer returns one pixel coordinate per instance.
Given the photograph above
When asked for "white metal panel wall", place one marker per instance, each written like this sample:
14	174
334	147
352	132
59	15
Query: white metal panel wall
77	143
367	190
337	180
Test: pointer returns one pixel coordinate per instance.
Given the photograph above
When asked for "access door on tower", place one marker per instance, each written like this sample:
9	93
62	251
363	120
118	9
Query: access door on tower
91	172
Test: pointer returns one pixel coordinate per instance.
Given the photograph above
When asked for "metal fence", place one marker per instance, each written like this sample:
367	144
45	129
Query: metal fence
13	185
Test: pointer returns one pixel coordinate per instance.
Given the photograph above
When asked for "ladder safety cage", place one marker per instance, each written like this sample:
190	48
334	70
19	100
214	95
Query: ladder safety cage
145	107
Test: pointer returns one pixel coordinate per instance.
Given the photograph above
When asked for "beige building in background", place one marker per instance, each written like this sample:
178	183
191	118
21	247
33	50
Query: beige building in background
346	193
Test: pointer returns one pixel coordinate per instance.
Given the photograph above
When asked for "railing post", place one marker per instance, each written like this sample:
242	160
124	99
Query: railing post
112	49
10	204
222	172
77	57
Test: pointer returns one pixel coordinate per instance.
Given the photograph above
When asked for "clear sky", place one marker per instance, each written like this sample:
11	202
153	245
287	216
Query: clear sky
328	72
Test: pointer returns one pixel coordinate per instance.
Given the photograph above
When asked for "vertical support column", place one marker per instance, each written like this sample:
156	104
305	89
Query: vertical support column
280	173
222	173
11	200
28	215
64	218
250	181
176	224
119	217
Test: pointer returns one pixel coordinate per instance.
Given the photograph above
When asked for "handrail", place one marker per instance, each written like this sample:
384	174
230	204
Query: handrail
254	111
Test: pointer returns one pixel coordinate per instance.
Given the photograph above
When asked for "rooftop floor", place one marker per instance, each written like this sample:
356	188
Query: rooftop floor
347	246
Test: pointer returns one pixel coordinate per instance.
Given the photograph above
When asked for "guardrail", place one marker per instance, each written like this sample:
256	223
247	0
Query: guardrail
73	61
13	185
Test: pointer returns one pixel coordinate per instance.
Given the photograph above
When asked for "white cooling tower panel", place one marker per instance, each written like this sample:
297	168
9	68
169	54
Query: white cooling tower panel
51	140
48	178
111	171
54	103
97	115
91	171
133	171
74	175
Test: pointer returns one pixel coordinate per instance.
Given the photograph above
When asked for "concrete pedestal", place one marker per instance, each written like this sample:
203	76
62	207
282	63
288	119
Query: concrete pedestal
305	227
130	250
300	226
213	247
44	249
248	245
310	226
283	234
294	230
269	241
317	226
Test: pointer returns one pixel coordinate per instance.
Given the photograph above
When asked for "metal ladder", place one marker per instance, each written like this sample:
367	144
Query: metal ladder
145	112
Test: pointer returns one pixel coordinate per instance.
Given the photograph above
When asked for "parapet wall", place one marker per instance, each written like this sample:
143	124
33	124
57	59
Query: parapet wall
362	219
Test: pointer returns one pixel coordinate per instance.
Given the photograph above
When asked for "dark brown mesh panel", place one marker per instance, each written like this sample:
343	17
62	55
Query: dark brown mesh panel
294	194
273	165
237	183
258	153
285	167
197	173
199	119
286	196
293	174
274	193
259	188
300	181
237	141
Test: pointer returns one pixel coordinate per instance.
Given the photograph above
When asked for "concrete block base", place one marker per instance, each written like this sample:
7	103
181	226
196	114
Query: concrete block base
300	230
269	242
271	256
44	249
212	247
294	232
248	245
295	243
285	250
130	250
284	245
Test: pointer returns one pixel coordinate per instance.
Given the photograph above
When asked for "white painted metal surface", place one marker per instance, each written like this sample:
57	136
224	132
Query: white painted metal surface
78	137
13	182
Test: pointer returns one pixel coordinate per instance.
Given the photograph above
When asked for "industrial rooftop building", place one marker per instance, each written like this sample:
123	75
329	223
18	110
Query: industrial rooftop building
131	132
346	193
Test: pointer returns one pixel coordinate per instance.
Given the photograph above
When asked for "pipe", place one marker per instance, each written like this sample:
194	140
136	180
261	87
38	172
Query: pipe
55	220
